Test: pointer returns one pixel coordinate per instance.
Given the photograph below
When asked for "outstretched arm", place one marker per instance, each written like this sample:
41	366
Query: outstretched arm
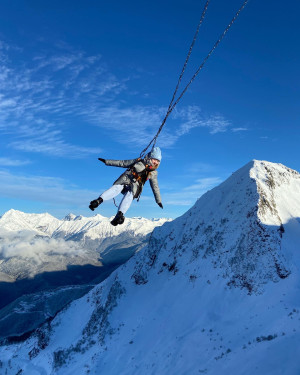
118	163
155	188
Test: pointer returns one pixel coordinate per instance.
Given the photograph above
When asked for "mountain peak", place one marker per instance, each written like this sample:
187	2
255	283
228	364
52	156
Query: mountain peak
222	280
11	213
278	189
69	217
239	225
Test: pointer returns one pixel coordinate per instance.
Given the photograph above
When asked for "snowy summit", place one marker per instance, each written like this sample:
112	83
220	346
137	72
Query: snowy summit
215	291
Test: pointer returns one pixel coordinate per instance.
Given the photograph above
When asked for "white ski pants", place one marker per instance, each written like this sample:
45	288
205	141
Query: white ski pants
115	190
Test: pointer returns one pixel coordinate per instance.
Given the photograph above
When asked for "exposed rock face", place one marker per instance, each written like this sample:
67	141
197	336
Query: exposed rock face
214	291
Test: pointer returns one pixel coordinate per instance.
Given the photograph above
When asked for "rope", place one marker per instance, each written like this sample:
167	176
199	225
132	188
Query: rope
190	52
209	54
115	203
180	77
173	105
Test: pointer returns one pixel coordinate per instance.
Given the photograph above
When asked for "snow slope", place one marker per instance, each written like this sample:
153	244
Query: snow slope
29	311
43	262
215	292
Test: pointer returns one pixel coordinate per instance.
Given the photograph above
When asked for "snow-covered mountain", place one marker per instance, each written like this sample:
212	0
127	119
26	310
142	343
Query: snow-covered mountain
40	253
31	244
19	318
216	291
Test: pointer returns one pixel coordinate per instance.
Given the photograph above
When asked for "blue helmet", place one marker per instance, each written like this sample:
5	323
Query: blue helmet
155	153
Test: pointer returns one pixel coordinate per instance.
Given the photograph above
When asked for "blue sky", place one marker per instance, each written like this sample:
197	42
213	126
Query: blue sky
81	80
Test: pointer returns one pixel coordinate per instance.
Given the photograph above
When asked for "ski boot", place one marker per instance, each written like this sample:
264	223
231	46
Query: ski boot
95	203
118	219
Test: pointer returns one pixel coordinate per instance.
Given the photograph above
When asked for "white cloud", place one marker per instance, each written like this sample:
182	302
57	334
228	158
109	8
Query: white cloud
189	194
193	118
239	129
72	85
130	125
31	94
40	251
25	244
6	103
40	188
203	184
47	139
56	147
199	167
137	125
7	162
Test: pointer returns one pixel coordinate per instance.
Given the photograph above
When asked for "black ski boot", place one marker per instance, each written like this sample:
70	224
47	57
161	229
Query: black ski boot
95	203
118	219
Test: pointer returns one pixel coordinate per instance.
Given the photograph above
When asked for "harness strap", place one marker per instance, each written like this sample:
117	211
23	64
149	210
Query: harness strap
142	177
139	178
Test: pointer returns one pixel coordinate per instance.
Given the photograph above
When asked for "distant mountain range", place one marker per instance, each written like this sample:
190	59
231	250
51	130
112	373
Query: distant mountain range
215	291
40	253
31	244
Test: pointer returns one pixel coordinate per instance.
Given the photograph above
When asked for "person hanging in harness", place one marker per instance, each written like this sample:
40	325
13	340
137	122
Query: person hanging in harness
131	182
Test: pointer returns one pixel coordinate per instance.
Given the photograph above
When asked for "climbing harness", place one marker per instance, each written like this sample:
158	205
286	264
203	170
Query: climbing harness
174	102
140	177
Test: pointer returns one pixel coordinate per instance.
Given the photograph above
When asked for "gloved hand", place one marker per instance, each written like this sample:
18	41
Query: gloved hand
103	160
160	205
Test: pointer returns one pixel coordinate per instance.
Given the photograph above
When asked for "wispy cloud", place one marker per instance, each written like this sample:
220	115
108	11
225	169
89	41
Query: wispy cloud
239	129
38	100
53	146
192	117
7	162
199	167
188	195
41	98
41	188
137	124
203	184
131	125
